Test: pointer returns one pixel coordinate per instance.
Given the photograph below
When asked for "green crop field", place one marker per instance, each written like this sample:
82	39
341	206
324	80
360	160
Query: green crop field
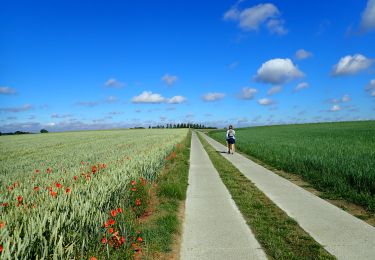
57	189
338	158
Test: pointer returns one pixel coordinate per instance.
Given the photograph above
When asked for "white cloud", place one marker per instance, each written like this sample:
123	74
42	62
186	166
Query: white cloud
349	65
371	85
113	83
368	17
7	91
265	101
250	19
346	98
60	115
301	86
274	90
302	54
52	124
24	108
278	72
248	93
176	100
154	98
148	97
277	27
213	96
169	79
335	108
111	99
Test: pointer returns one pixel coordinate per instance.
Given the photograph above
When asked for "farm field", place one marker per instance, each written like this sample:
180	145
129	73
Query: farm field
58	190
337	158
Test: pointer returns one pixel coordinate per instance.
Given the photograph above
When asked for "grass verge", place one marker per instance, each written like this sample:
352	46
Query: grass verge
162	228
280	236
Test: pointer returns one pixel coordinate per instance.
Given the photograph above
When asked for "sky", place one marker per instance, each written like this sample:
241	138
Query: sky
76	65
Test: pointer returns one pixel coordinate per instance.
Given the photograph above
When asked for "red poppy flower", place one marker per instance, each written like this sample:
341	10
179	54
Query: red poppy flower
53	194
111	222
58	185
5	204
49	170
139	239
119	210
75	178
82	162
2	224
137	202
122	239
67	190
19	198
134	189
113	213
94	169
133	183
93	258
36	171
36	188
104	240
106	224
110	230
1	248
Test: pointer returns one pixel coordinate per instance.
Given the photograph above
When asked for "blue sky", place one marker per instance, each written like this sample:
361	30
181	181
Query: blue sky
71	65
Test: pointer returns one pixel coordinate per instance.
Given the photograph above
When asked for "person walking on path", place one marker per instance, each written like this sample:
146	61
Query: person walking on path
231	139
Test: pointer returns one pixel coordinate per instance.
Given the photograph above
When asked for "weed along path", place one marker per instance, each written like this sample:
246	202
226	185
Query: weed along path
213	226
341	234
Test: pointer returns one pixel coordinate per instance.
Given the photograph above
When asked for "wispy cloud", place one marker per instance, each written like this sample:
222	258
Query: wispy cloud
213	96
87	103
368	17
278	72
335	108
7	91
234	65
301	86
23	108
274	90
111	99
169	79
60	115
113	83
350	65
250	19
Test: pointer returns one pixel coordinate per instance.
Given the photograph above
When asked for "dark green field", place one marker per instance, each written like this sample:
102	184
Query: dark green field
336	158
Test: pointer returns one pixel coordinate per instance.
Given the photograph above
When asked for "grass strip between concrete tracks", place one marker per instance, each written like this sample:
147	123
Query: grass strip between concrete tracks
280	236
162	229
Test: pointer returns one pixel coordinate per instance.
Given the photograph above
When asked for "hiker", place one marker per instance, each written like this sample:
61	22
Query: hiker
231	139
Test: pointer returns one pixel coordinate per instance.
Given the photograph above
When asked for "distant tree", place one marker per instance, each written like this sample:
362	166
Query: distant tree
43	131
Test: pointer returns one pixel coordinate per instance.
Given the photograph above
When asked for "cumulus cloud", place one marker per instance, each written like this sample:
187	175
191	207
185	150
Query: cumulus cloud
301	86
302	54
148	97
23	108
213	96
350	65
176	100
335	108
7	91
274	90
265	101
154	98
169	79
277	72
368	16
250	19
247	93
113	83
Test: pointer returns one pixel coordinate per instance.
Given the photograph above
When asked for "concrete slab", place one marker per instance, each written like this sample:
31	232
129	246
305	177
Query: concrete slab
342	234
214	227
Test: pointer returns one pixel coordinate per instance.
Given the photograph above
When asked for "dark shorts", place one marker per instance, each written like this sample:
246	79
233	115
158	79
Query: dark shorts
231	141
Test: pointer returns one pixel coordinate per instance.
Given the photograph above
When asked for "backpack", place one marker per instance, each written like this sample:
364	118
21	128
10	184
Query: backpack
230	133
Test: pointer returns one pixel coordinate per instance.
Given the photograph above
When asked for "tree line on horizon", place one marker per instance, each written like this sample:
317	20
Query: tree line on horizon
182	125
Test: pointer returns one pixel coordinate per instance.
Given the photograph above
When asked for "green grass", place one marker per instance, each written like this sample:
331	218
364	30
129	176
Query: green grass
164	225
336	158
280	236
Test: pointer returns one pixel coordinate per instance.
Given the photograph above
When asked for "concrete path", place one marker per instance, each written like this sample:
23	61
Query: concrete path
213	227
343	235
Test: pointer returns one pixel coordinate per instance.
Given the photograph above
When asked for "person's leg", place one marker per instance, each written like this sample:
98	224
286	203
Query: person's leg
228	146
232	148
